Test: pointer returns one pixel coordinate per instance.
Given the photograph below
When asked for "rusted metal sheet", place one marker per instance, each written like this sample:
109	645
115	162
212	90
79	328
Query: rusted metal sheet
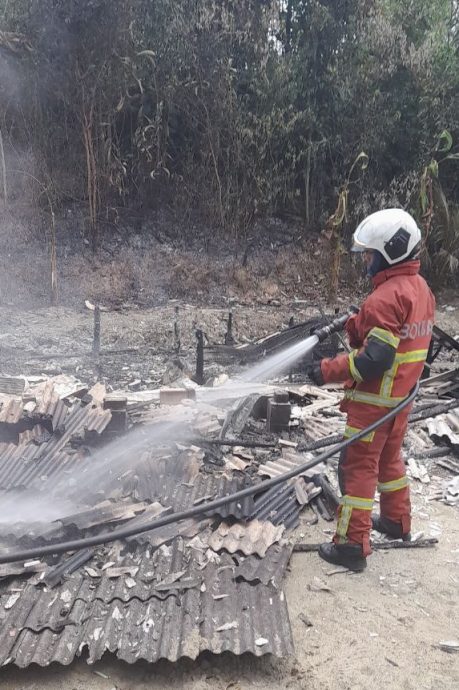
134	618
46	399
12	411
97	419
49	405
30	464
317	428
281	465
253	537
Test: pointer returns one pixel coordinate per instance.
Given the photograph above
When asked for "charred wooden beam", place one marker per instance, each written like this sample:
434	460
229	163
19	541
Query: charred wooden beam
378	546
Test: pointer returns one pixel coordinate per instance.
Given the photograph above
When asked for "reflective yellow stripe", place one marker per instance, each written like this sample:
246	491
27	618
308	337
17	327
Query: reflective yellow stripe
394	485
372	398
410	357
348	503
400	358
352	430
385	336
352	368
384	398
343	522
357	502
388	380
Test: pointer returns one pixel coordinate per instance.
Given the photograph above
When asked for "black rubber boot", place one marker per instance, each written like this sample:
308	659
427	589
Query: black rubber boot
348	555
392	529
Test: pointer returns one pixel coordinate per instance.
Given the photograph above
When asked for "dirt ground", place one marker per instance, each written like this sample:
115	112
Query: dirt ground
379	629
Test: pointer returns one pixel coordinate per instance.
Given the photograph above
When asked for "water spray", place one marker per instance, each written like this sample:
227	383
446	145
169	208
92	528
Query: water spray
203	508
113	462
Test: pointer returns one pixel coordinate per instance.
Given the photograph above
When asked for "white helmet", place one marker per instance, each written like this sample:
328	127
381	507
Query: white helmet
393	232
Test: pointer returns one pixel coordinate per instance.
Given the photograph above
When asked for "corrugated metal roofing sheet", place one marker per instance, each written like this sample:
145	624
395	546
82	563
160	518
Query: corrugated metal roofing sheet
217	614
167	480
31	465
29	533
274	468
97	419
60	412
271	568
21	468
239	509
11	385
279	505
166	534
253	537
48	405
105	512
46	399
12	411
38	434
417	440
316	427
237	417
444	427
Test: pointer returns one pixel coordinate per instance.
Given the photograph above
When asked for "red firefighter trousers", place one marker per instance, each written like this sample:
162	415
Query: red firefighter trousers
374	462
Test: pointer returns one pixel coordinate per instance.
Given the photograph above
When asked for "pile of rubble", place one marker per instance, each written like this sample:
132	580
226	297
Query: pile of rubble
211	582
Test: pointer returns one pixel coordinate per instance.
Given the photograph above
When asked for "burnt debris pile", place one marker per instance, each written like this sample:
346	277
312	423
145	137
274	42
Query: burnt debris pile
77	461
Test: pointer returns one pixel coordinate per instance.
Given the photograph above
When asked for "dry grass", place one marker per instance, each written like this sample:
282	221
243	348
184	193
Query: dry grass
150	277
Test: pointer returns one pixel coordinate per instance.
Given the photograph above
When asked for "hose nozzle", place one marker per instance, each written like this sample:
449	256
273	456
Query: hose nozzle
335	325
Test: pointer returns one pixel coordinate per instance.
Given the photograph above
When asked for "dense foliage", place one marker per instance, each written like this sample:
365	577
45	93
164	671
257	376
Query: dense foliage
236	109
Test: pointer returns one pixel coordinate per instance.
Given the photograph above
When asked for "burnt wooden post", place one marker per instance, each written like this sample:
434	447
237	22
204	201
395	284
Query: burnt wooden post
291	323
199	377
176	331
96	335
229	340
335	339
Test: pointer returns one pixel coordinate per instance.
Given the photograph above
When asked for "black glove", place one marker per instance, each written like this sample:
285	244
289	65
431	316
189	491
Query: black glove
315	374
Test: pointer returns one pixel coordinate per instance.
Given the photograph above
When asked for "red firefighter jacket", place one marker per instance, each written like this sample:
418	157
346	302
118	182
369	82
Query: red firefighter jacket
399	312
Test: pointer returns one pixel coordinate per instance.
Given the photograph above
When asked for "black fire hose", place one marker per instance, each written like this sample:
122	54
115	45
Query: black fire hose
106	537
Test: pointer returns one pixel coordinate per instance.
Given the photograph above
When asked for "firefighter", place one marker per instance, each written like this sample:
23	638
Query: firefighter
390	336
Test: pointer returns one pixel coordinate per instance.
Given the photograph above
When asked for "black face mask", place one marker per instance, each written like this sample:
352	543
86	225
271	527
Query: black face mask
378	264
